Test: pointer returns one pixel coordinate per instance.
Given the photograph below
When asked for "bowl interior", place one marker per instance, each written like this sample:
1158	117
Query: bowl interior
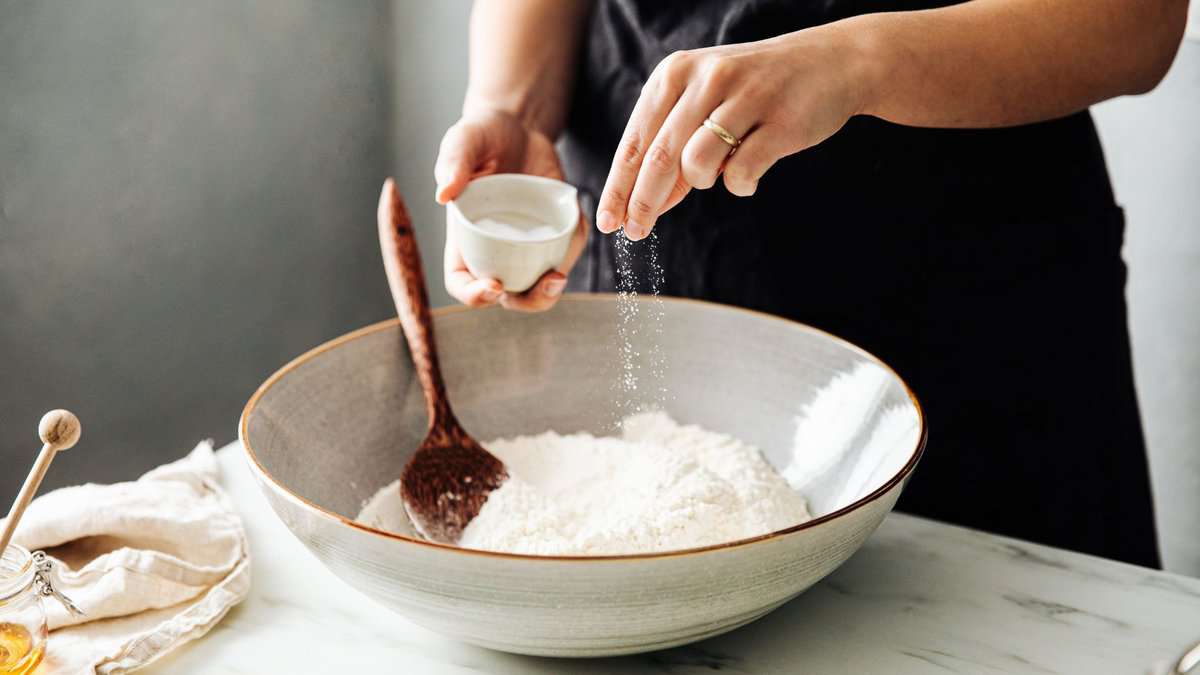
340	422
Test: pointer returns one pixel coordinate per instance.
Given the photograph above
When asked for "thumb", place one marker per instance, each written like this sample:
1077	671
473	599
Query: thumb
457	158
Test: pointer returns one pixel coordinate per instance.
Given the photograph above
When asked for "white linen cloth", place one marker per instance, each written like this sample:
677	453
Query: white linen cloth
153	563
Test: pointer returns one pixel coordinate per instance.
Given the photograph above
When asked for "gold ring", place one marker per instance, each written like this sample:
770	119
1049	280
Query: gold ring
722	133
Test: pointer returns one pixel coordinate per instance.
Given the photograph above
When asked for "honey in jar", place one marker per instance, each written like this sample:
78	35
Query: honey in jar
18	653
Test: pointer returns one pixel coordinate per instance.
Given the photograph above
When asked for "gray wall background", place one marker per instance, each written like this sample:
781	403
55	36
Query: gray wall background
1153	148
187	196
187	200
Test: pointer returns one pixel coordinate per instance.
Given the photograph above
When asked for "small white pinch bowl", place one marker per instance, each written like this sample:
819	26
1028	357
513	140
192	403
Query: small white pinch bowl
340	422
516	263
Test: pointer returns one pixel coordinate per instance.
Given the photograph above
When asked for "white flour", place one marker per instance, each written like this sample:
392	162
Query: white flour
661	486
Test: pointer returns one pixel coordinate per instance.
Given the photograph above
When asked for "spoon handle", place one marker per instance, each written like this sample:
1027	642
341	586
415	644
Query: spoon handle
402	262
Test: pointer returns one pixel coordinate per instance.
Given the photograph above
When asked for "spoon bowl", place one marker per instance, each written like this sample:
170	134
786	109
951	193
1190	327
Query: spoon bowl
446	483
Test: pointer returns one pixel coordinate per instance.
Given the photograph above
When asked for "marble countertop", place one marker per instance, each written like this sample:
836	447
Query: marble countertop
920	597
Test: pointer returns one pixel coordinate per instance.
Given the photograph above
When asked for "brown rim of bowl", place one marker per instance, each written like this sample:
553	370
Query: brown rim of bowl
576	297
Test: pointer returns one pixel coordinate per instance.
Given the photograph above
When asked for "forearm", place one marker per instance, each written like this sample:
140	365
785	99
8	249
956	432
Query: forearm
523	55
991	63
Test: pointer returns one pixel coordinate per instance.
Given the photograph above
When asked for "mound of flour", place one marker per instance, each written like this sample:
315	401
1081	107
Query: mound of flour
660	486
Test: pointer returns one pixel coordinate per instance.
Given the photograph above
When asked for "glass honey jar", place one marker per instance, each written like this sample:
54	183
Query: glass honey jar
25	578
22	617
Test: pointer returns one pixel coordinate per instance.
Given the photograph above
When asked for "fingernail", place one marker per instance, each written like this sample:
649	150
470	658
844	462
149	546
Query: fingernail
606	221
554	287
491	295
635	231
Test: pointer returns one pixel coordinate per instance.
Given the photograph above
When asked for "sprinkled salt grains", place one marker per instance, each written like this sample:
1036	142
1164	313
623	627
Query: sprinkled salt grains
640	391
627	321
658	360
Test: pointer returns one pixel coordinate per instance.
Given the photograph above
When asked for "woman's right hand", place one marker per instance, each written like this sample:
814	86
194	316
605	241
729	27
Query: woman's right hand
489	142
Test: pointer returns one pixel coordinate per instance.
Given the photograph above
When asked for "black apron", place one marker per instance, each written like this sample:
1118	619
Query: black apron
985	266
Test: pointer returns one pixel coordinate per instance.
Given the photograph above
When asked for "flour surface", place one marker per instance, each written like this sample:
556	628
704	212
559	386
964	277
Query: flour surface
661	486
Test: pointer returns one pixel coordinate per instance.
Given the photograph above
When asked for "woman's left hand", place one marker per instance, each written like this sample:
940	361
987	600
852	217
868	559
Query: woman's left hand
778	96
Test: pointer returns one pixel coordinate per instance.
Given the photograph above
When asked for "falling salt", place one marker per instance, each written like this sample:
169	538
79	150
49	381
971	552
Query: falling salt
641	383
657	361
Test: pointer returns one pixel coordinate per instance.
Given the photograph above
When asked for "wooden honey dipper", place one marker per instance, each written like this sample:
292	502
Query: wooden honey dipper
59	430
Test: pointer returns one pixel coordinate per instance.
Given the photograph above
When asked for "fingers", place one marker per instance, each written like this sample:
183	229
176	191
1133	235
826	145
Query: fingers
657	99
463	286
473	292
659	174
457	158
678	192
705	152
666	151
540	297
754	156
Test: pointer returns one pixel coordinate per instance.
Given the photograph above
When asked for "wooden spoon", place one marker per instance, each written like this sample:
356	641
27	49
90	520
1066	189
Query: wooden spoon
59	430
450	476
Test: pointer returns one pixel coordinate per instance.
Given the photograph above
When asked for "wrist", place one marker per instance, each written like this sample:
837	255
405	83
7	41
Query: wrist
867	59
521	108
479	104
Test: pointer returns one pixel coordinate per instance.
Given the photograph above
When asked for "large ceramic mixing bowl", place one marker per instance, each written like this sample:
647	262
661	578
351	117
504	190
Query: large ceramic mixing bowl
336	424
